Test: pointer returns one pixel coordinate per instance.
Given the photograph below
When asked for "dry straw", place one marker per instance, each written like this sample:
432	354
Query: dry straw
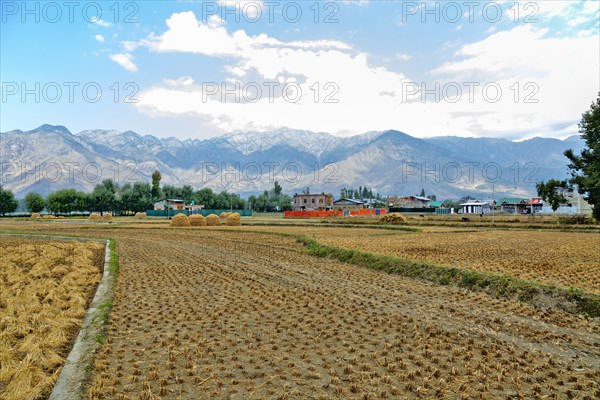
234	219
48	216
140	215
213	220
36	215
197	220
394	218
95	217
107	217
224	215
180	220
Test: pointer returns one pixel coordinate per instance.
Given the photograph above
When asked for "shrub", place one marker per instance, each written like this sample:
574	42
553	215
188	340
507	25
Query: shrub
95	217
393	218
234	219
35	215
197	220
213	220
180	220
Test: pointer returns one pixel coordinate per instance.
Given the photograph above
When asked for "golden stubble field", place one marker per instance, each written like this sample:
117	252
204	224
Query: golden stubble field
201	313
564	259
45	288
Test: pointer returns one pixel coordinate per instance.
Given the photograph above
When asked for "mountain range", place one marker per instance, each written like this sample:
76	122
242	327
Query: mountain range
390	162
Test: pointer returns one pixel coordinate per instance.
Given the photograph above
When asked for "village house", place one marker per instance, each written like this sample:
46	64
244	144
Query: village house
320	202
475	207
349	204
176	204
407	202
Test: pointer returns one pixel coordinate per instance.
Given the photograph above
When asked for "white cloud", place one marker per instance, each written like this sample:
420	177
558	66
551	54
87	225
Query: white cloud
99	38
125	61
403	57
97	21
370	97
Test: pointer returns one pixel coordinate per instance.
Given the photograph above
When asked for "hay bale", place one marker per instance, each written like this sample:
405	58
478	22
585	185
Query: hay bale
213	220
95	217
48	216
35	216
140	215
224	215
107	217
234	219
180	220
394	219
197	220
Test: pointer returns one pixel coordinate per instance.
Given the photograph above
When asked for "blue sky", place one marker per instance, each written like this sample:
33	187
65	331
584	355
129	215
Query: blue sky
499	69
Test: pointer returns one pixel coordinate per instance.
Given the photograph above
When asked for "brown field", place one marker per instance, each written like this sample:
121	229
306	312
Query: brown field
219	313
45	289
563	259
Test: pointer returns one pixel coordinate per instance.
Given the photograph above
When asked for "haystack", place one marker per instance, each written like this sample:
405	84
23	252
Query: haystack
180	220
224	215
35	215
393	218
140	215
48	216
107	217
234	219
197	220
213	220
95	217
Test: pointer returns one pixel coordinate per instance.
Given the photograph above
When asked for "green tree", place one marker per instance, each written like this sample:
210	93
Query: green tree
156	177
277	189
34	202
422	194
104	197
65	201
137	198
585	167
8	203
554	192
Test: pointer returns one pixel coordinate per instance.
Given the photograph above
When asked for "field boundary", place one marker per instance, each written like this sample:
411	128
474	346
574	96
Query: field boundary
573	300
74	376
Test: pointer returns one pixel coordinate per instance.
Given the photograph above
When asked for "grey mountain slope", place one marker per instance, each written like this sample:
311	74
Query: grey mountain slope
391	162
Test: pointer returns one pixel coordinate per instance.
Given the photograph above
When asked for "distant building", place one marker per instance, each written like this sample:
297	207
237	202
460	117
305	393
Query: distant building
576	205
313	202
169	204
475	207
513	204
407	202
176	204
349	204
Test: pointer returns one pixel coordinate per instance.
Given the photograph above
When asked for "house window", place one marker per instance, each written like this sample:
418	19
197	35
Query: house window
305	201
320	201
313	200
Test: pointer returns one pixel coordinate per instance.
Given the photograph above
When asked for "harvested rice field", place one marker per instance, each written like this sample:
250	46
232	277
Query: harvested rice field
45	289
563	259
229	313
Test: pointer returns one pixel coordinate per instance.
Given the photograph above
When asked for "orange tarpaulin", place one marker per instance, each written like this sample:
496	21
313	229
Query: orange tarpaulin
333	213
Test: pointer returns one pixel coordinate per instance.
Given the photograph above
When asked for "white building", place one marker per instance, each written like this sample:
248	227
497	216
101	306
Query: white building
475	207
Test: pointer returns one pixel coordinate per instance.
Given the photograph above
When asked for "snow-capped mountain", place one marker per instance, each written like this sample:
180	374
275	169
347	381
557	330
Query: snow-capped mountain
391	162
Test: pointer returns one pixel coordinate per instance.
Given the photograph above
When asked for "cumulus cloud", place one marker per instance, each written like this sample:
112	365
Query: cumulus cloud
99	38
125	61
343	91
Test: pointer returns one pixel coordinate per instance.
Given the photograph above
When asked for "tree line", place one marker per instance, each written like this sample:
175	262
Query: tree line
109	196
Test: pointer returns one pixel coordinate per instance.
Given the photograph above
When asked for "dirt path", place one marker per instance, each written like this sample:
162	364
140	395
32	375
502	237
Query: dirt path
231	315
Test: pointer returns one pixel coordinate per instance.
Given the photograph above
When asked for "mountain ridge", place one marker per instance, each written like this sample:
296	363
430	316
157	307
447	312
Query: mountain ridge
391	162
